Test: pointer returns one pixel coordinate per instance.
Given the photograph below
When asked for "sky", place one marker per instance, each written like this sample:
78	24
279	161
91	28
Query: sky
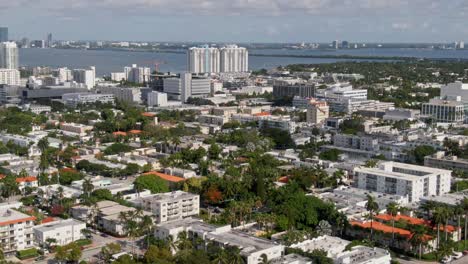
288	21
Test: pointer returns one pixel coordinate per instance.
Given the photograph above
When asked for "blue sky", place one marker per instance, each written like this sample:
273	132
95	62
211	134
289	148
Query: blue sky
239	20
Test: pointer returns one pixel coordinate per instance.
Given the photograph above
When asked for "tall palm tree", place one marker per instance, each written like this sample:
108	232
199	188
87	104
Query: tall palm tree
418	237
183	241
87	186
464	206
392	210
448	214
220	257
437	220
458	212
235	256
146	225
372	207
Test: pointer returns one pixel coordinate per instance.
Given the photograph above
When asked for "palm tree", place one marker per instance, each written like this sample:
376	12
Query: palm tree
464	205
437	220
146	224
418	237
183	241
392	210
60	194
448	214
234	256
372	206
220	257
428	207
87	186
458	212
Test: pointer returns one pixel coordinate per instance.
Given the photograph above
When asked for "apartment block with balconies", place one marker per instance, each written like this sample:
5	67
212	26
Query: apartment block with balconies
16	231
170	206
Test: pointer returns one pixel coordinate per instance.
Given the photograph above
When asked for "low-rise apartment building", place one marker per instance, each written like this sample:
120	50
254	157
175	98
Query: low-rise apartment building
170	206
63	231
404	179
16	231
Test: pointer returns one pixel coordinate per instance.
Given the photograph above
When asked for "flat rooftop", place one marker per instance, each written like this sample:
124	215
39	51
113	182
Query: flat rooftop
57	224
176	195
332	245
245	242
9	216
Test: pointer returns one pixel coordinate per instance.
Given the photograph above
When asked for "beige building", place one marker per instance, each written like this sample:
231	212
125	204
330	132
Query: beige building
317	112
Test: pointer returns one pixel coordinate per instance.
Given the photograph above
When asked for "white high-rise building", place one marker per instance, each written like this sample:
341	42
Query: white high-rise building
10	77
234	59
203	60
187	86
137	74
157	99
8	55
85	76
64	75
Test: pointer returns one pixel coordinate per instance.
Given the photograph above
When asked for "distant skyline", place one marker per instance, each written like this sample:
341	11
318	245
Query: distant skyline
415	21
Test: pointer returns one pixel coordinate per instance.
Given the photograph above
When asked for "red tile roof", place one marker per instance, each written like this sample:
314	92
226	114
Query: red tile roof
262	114
47	220
135	131
15	221
386	229
413	221
165	177
147	114
119	133
26	179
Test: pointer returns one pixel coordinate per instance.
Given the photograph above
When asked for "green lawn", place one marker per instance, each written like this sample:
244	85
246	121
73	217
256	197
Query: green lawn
27	253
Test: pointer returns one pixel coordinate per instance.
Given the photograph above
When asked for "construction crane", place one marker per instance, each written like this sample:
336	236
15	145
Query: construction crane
155	63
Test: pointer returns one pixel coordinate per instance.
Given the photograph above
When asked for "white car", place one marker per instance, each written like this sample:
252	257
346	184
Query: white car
457	255
446	259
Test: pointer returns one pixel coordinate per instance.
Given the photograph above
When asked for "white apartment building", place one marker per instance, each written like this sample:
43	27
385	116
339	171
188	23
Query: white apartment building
281	122
8	55
234	59
187	86
355	142
63	231
170	206
203	59
342	91
37	109
404	179
157	99
64	75
251	248
85	76
317	112
130	95
118	76
445	111
137	74
10	77
74	99
16	139
16	231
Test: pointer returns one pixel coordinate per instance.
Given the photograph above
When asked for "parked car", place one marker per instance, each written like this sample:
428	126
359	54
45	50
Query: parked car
457	255
446	259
